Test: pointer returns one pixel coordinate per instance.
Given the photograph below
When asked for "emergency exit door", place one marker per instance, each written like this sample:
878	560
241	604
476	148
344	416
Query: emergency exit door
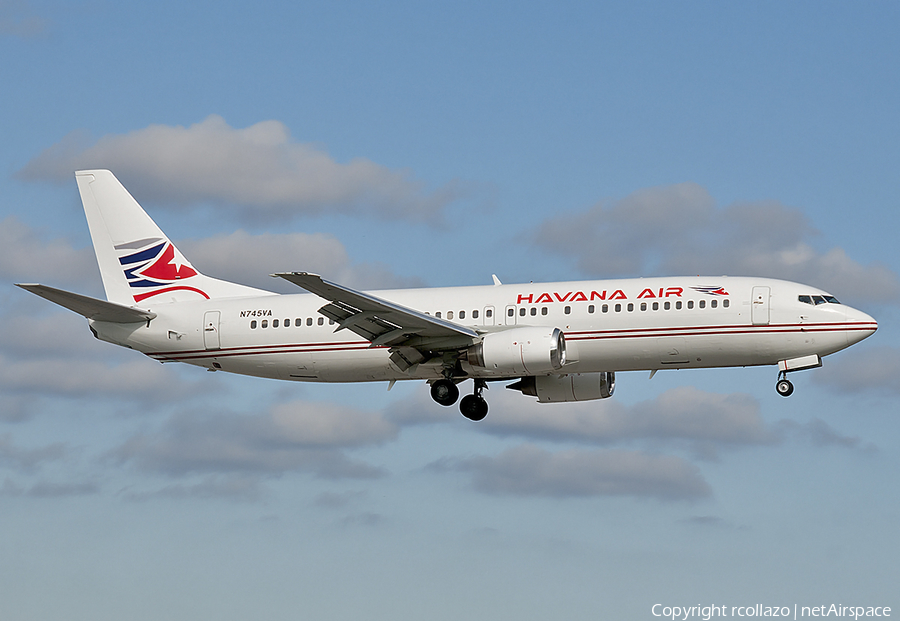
211	330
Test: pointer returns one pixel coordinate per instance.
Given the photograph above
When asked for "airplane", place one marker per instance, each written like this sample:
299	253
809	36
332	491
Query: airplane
557	341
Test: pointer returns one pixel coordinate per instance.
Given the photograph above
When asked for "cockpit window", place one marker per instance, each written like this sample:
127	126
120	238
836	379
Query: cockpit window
817	299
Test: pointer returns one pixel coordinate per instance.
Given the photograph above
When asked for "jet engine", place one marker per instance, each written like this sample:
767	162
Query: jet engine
520	351
571	387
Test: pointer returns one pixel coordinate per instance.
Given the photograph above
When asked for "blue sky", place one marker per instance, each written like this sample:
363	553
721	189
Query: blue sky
396	144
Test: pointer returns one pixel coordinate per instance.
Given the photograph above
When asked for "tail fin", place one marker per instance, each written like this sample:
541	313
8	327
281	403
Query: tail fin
137	261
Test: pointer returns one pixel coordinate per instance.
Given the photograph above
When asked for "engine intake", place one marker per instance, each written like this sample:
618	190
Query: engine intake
566	388
520	351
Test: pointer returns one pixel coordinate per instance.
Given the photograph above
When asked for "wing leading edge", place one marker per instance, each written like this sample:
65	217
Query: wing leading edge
409	333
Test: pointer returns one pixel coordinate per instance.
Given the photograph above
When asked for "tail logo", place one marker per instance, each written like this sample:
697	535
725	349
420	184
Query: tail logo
154	266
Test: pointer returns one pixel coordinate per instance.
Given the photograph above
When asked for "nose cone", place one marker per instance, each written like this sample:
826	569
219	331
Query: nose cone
859	325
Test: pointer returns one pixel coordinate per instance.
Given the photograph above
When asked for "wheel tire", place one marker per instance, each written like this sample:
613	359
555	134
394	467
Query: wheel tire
444	392
784	388
473	408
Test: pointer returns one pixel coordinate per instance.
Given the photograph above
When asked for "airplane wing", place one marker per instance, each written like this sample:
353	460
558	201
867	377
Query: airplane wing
382	322
92	308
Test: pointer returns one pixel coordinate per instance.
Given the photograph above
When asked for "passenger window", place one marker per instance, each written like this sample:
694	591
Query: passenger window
618	308
630	307
591	309
321	321
522	312
449	314
265	323
438	314
287	323
690	303
667	305
488	313
309	321
567	310
656	306
331	322
274	323
702	303
678	305
253	325
475	314
510	312
605	308
462	314
713	303
725	303
643	306
298	322
533	311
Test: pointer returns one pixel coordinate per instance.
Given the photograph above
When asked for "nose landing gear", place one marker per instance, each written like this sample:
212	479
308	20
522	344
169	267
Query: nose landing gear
783	386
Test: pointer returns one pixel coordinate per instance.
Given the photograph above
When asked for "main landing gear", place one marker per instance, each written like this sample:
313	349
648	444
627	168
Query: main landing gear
783	386
473	406
444	392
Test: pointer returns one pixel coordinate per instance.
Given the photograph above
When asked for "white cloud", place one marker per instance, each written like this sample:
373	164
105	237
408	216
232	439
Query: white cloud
677	229
136	379
29	459
26	257
250	259
301	437
228	487
527	470
259	170
17	20
45	489
683	413
820	434
862	371
682	416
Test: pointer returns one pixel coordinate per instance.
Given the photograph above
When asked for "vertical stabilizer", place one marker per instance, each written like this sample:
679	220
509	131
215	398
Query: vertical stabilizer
138	263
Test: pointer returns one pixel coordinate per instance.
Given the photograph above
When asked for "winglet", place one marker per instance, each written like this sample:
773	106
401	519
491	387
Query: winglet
497	282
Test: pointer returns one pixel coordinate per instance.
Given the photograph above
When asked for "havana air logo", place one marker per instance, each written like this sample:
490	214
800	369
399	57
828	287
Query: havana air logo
583	296
549	297
154	266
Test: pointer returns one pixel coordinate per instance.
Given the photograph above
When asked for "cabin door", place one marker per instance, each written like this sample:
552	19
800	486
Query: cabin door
759	306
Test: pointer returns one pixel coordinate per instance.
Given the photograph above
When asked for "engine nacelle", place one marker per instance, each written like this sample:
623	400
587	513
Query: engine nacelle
571	387
520	351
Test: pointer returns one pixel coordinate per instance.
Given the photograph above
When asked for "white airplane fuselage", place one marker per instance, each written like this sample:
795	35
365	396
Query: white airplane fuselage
609	325
559	341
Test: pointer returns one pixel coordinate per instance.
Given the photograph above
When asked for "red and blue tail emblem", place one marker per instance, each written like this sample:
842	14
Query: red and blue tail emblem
711	290
155	268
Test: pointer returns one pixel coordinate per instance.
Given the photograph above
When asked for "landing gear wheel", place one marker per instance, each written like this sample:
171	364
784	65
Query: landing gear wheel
444	392
473	407
784	387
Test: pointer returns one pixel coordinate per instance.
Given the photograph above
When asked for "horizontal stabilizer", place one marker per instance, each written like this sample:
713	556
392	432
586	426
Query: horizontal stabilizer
92	308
